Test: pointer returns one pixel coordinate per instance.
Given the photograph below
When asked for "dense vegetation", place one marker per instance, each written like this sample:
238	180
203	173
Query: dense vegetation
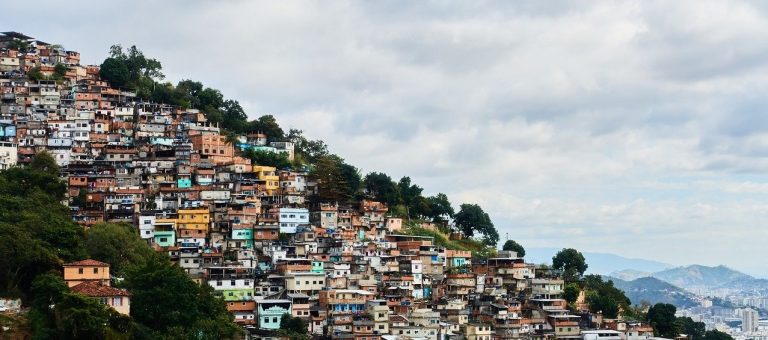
37	236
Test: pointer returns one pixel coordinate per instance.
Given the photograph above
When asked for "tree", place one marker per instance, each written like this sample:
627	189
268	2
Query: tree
117	244
115	72
44	162
81	199
696	330
571	262
166	301
571	292
440	209
307	150
514	246
661	316
80	317
381	187
276	159
471	219
332	182
268	125
603	296
293	324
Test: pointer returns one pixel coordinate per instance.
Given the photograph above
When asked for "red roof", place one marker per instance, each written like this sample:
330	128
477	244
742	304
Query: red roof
96	289
87	263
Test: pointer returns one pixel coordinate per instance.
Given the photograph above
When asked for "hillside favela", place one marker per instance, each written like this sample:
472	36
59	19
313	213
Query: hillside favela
135	206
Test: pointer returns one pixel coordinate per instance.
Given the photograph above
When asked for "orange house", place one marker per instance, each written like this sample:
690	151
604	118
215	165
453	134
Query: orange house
85	271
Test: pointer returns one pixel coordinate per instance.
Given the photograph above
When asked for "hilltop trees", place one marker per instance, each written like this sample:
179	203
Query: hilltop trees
472	219
131	69
571	262
514	246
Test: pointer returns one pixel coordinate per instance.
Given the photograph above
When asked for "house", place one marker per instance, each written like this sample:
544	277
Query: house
119	299
78	272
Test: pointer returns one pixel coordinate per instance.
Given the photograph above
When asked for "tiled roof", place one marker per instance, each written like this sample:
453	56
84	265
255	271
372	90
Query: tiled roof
93	288
88	263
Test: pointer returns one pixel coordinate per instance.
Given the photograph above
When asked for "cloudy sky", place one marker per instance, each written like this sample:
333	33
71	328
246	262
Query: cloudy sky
633	127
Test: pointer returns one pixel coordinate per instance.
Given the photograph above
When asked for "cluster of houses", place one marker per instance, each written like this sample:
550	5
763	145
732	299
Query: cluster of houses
249	231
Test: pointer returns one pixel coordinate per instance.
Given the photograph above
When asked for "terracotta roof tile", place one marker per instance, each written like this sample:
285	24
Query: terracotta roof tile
87	262
93	288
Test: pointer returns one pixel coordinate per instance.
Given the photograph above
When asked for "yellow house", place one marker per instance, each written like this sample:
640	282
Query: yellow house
86	271
267	175
197	218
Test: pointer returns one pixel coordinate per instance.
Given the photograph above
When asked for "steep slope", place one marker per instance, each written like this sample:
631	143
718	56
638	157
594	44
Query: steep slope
655	291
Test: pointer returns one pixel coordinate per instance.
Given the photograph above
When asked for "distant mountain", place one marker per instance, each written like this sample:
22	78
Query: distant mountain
599	263
630	274
698	276
654	291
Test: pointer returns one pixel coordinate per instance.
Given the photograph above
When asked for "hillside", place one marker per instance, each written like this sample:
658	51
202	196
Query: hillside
654	291
698	276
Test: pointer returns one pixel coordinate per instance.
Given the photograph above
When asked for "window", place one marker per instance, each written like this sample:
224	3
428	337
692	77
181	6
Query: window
218	283
274	319
117	301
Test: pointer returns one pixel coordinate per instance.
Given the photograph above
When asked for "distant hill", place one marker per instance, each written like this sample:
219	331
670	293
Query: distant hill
698	276
654	291
599	263
630	274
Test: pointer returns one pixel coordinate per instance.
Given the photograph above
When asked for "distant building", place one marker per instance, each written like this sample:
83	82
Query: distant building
748	320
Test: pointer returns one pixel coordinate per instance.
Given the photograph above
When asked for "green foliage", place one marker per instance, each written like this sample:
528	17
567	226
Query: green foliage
35	74
81	199
36	233
571	292
478	249
603	296
131	69
306	150
260	157
440	209
514	246
115	72
48	289
661	316
293	327
471	219
117	244
686	325
80	317
571	262
166	301
337	181
381	187
266	124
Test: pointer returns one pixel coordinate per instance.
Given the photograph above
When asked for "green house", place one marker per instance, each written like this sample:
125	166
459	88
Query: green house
270	312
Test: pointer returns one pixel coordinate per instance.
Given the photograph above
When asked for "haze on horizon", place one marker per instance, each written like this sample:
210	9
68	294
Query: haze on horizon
635	128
